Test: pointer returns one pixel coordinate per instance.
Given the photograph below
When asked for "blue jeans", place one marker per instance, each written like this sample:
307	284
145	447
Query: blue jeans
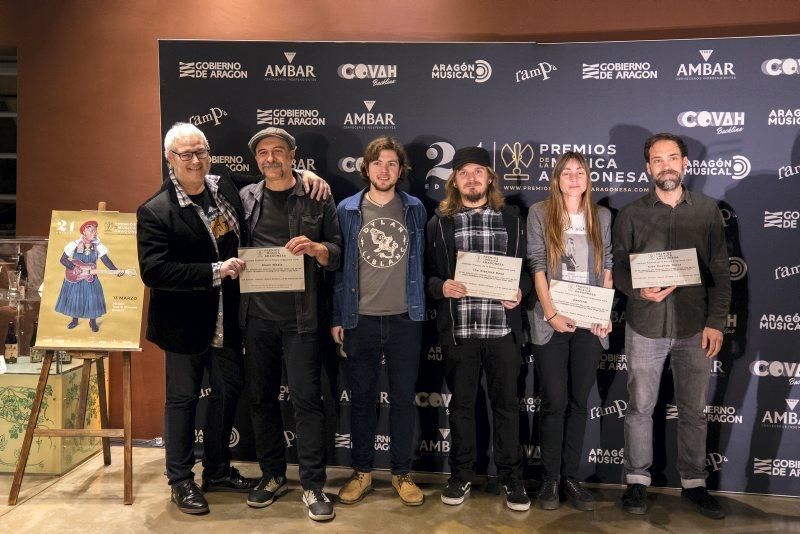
691	371
399	339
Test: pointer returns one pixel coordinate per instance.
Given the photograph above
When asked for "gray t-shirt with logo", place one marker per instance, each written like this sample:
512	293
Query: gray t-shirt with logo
383	264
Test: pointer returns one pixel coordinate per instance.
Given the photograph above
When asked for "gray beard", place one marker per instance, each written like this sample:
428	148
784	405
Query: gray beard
668	184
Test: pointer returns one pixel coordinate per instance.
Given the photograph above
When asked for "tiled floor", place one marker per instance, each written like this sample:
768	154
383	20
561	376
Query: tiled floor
89	499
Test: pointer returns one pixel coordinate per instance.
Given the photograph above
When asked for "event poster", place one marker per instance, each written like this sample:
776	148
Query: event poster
92	294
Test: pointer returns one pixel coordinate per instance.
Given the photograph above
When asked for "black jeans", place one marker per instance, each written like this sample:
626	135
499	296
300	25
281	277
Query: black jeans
500	360
184	377
566	368
398	339
268	346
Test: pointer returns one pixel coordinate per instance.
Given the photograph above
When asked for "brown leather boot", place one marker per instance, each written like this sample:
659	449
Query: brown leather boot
409	492
356	488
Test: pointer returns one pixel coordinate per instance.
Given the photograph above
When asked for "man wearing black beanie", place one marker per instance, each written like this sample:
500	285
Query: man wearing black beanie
478	333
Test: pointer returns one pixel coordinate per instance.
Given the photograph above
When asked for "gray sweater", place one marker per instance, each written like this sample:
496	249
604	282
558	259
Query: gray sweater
541	331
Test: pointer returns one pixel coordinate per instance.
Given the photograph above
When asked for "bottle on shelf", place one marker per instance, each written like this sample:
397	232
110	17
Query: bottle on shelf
37	355
11	344
23	274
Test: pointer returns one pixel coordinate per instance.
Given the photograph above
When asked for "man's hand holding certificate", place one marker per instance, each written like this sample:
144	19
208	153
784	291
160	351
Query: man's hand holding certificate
271	269
586	305
488	275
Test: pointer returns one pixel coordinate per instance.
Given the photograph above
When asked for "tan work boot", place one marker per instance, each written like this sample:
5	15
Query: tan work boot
409	492
356	488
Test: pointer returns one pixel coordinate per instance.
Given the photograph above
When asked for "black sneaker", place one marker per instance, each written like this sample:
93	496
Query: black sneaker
188	498
320	507
578	496
516	497
455	491
634	500
547	497
232	482
703	502
266	491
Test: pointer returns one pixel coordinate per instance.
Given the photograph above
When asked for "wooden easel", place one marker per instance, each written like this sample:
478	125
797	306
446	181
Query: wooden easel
105	433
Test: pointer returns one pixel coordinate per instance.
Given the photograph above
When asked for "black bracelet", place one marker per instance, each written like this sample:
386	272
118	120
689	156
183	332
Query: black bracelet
548	320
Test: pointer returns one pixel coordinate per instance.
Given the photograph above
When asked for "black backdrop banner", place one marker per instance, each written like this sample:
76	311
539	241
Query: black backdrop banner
736	102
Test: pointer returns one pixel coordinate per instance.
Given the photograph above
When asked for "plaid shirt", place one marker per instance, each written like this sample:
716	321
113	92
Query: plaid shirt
480	230
222	209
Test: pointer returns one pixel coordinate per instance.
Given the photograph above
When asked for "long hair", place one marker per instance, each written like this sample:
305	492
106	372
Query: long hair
452	197
557	217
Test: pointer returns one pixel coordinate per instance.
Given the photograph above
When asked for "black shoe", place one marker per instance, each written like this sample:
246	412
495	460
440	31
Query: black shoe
188	498
73	323
233	482
547	497
634	500
320	507
703	502
516	497
578	496
266	491
93	325
455	491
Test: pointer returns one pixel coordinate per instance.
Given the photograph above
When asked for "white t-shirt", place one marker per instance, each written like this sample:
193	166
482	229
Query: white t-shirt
575	261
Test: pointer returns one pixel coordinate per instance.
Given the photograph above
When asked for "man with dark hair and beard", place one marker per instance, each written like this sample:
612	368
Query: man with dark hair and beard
685	322
478	333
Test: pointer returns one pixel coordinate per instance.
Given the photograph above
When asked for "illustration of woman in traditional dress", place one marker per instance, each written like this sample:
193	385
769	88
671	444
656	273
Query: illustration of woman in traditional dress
81	295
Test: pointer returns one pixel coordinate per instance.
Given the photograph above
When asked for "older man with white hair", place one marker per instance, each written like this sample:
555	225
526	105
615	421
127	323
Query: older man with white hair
188	237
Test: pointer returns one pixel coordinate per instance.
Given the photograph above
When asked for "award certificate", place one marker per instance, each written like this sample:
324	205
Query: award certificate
664	269
271	269
584	304
488	275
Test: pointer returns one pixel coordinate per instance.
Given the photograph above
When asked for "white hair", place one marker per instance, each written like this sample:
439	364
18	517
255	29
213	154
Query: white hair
182	130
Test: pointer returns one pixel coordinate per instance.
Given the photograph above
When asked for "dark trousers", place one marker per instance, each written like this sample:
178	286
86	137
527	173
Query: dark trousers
268	346
184	376
398	339
500	360
566	368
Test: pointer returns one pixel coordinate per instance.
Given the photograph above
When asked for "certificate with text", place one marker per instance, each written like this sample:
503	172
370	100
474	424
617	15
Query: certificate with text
666	268
584	304
488	275
271	269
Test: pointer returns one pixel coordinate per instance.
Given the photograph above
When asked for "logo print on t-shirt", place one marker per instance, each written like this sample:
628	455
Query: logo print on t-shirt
383	242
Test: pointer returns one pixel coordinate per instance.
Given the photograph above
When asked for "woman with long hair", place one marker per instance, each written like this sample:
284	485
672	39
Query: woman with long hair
569	239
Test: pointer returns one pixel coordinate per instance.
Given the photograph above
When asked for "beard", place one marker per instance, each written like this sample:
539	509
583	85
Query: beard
668	180
382	187
473	197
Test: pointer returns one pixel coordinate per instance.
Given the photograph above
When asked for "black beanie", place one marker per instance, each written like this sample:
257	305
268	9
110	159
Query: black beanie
471	154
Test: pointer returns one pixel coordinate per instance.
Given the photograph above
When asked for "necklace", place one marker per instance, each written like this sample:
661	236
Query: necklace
376	203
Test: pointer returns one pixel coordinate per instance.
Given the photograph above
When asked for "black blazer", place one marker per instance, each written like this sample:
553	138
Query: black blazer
175	257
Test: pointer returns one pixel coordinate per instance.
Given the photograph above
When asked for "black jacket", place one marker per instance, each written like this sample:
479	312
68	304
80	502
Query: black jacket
175	257
440	254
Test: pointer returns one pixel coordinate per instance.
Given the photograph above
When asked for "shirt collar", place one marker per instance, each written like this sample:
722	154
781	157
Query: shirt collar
212	184
652	197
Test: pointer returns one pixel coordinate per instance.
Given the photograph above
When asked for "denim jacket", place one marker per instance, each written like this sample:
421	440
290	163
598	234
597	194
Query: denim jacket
345	289
313	219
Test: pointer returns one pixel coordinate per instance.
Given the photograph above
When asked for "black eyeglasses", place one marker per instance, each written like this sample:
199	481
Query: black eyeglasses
187	156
